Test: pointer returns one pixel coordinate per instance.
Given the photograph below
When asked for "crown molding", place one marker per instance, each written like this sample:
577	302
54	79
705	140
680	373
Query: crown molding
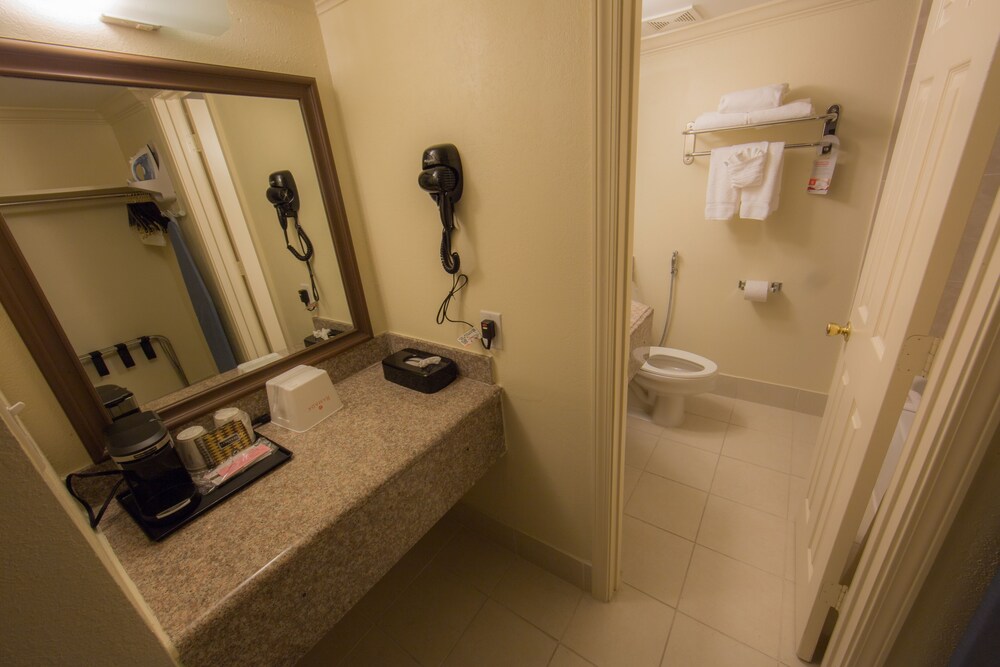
772	13
323	6
121	106
31	115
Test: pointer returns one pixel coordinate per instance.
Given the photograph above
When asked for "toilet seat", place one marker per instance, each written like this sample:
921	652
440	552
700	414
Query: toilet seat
668	362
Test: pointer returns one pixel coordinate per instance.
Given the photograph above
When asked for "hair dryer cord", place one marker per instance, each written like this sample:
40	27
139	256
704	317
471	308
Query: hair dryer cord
307	253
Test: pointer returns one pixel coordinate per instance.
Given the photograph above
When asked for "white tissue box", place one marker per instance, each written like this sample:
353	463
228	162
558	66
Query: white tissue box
301	398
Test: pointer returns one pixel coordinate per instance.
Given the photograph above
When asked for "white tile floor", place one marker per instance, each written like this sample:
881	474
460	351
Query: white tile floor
707	566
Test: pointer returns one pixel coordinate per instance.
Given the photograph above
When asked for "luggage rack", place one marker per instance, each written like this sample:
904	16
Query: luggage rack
121	350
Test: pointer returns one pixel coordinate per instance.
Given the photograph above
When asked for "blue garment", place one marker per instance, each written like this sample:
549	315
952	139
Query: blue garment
201	300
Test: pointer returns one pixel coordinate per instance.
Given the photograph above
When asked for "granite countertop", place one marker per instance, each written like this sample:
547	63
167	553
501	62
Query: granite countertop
640	334
640	312
260	578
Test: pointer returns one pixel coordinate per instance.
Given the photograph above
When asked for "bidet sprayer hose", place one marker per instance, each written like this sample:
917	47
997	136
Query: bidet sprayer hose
670	296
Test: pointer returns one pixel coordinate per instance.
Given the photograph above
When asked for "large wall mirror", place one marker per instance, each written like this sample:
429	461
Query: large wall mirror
172	228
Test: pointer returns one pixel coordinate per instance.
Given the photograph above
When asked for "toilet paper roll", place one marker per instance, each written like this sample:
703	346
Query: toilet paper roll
756	290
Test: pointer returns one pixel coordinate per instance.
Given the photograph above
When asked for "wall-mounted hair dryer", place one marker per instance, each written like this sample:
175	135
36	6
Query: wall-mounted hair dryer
283	194
442	178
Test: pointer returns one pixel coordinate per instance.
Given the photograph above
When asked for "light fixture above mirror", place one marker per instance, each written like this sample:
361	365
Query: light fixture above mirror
209	90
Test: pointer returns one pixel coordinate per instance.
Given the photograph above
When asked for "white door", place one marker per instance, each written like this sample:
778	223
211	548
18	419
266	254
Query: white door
228	200
210	235
940	153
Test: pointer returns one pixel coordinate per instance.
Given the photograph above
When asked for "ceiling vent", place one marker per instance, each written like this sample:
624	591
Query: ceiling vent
670	21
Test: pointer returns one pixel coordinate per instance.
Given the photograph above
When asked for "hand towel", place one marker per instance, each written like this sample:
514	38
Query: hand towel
742	101
711	120
746	164
796	109
760	201
721	197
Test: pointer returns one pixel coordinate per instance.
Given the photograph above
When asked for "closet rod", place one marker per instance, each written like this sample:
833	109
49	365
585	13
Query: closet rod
806	145
131	196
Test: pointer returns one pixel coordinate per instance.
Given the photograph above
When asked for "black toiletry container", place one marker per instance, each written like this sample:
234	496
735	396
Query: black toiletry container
429	379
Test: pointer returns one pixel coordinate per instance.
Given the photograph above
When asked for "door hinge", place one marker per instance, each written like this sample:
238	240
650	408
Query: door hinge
917	353
833	595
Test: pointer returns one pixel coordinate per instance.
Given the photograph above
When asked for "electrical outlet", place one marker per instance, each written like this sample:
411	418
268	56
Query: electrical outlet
497	343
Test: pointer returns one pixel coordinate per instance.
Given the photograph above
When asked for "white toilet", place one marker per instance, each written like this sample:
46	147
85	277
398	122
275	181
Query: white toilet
666	376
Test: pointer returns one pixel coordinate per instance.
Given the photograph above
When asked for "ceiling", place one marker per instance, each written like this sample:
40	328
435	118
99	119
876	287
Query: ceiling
708	9
38	94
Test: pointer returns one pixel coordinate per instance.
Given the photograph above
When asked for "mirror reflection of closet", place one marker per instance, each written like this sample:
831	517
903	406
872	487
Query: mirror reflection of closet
212	288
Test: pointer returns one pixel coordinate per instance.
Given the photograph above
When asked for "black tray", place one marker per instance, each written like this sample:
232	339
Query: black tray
203	503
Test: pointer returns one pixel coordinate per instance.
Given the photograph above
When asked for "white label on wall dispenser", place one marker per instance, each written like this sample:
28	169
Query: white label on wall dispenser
469	337
823	166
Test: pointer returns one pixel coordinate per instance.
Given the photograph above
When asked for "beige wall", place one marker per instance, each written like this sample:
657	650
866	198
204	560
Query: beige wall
511	84
851	53
261	136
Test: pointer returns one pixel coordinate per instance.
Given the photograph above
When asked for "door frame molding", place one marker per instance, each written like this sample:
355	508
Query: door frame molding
616	70
959	415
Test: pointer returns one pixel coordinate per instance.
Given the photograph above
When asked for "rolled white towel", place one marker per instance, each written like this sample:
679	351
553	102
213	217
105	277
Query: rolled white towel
746	164
796	109
754	99
712	120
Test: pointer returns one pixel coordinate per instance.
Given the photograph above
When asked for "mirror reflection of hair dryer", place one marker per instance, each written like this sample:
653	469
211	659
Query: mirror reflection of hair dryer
442	179
284	196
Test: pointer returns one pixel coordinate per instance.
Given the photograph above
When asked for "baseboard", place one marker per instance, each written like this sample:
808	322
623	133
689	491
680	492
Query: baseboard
778	395
547	557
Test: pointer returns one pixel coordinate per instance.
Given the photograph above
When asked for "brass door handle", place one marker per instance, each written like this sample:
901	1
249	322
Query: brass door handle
834	329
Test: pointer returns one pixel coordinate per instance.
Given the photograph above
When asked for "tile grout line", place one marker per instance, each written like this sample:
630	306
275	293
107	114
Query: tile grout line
703	546
487	596
777	660
378	616
572	617
695	543
687	570
465	629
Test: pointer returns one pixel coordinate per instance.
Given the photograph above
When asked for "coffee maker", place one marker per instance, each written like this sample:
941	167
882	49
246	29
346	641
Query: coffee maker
141	447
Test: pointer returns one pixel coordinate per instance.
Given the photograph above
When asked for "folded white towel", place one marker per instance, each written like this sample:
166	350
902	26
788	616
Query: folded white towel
746	164
712	120
760	201
796	109
765	97
721	197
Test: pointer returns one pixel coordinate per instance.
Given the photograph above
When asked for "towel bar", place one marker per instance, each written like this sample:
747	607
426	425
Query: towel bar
830	118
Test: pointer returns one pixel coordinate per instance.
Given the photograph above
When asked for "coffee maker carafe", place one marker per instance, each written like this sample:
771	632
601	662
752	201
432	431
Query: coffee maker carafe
142	448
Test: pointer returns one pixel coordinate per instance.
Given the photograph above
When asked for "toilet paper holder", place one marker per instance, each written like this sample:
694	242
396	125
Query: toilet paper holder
775	287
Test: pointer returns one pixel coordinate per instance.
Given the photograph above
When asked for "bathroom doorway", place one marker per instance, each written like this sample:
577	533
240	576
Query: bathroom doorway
671	457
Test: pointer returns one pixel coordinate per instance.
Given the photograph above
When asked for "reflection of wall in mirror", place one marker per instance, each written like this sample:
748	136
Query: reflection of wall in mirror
260	136
105	286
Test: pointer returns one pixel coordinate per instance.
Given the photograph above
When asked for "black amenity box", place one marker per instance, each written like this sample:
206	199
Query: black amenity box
433	377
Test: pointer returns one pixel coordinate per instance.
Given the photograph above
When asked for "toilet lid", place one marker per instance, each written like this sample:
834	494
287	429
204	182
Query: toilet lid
674	363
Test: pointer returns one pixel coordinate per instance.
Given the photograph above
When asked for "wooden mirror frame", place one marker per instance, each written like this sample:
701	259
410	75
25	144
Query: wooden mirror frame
30	311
